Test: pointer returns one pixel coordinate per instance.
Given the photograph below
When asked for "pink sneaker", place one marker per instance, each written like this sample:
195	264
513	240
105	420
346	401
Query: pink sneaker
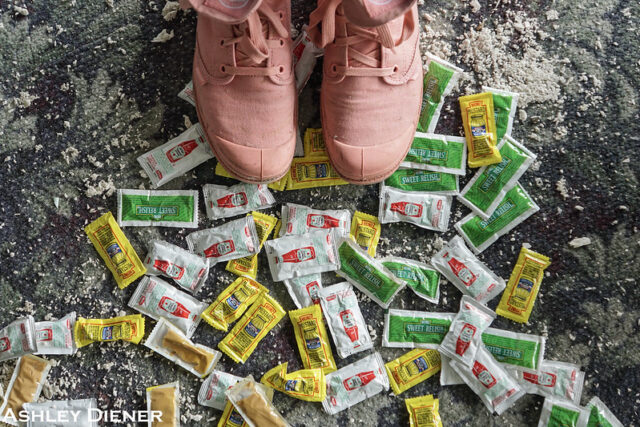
372	83
244	85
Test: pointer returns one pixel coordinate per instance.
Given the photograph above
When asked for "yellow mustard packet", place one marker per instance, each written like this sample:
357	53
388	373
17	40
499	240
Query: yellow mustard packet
311	172
306	384
478	118
233	302
520	295
314	145
365	231
115	250
424	411
248	266
412	368
127	328
312	338
256	323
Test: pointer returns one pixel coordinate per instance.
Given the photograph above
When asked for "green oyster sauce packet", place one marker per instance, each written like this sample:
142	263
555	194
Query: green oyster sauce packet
423	280
489	185
415	329
366	273
439	80
437	153
514	208
505	104
165	208
513	348
424	181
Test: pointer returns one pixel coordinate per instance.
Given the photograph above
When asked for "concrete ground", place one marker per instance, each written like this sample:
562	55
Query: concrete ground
84	91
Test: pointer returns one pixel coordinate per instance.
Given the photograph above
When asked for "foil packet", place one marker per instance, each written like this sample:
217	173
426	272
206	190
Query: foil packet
164	400
344	318
415	329
158	208
423	279
597	414
176	157
354	383
56	336
439	80
185	268
557	412
212	391
466	272
159	300
69	413
254	405
560	380
248	266
25	386
232	240
304	290
418	180
412	368
226	202
126	328
231	304
437	153
312	339
306	384
365	231
18	338
298	219
426	210
301	255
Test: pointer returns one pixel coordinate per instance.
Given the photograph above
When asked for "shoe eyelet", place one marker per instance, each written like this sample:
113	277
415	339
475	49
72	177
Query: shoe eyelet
222	42
281	69
281	42
334	68
223	69
395	68
281	15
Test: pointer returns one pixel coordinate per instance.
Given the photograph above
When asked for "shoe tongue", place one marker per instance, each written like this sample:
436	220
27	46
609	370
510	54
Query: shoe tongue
372	13
228	11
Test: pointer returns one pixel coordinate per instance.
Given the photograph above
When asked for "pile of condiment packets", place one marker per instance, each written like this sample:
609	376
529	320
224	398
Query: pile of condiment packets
500	366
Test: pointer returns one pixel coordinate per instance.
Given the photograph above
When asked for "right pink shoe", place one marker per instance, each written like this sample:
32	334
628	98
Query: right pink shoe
244	85
372	83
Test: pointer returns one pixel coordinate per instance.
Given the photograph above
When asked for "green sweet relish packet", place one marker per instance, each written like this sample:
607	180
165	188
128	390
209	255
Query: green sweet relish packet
487	188
163	208
439	80
437	153
522	350
559	413
366	273
425	181
505	104
423	279
596	414
514	208
415	329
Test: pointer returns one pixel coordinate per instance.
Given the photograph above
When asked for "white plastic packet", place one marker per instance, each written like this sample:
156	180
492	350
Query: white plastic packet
448	375
18	338
426	210
186	269
354	383
343	315
176	157
187	94
560	413
67	413
168	341
212	391
232	240
305	55
159	300
560	380
490	381
251	400
298	219
226	202
304	290
56	337
597	414
465	333
301	255
462	268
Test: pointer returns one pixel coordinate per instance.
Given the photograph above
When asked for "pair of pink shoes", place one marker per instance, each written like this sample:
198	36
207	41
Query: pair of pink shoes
245	92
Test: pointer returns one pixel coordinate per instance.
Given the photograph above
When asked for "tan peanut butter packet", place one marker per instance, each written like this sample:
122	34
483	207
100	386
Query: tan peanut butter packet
24	387
164	401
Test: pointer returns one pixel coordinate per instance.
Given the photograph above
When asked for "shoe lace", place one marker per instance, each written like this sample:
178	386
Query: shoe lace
322	30
251	43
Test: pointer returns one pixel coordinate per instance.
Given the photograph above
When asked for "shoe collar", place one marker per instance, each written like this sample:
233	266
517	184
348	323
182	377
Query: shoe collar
227	11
